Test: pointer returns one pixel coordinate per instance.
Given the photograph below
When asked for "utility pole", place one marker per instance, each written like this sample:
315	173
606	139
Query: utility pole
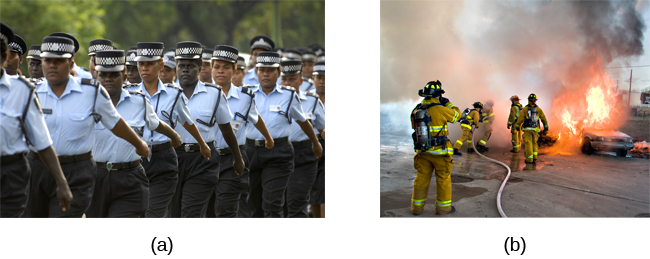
629	92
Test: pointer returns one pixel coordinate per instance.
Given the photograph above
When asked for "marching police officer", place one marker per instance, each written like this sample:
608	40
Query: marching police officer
17	48
271	168
168	73
205	75
132	73
171	107
80	72
317	196
208	107
94	46
308	60
71	107
122	187
529	120
21	117
238	76
233	188
515	108
258	44
34	62
305	163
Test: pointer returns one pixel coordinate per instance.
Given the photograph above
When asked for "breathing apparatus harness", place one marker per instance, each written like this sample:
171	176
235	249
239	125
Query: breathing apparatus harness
420	118
532	121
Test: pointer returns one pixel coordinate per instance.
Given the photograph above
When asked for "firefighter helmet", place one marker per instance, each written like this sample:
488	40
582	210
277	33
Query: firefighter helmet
514	97
431	89
532	97
478	105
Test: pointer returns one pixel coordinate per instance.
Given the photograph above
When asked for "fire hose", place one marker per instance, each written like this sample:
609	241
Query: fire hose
503	214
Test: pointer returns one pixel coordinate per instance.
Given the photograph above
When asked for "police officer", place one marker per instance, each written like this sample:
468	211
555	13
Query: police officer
21	117
17	47
466	125
132	73
258	44
34	62
487	115
71	108
168	73
530	116
317	196
270	168
305	163
238	76
308	60
231	192
435	152
206	71
94	46
80	72
208	107
171	107
515	108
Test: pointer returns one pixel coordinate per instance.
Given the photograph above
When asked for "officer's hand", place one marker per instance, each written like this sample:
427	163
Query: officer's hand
508	126
239	166
176	140
443	101
317	148
205	150
65	196
142	149
269	143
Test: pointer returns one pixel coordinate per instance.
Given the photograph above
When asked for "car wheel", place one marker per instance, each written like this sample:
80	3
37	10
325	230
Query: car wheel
621	152
586	146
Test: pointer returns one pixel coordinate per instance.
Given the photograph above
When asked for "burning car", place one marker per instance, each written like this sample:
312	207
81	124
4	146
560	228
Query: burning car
606	140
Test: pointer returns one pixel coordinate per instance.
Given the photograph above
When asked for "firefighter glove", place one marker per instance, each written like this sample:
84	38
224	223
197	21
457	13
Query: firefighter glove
443	101
508	126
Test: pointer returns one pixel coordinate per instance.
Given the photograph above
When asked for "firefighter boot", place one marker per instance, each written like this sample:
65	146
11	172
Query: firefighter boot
457	153
453	209
470	150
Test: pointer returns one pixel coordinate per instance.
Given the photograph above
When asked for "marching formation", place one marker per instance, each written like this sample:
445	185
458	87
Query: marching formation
149	132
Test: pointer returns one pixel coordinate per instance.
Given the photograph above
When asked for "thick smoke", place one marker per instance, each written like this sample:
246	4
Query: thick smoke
496	49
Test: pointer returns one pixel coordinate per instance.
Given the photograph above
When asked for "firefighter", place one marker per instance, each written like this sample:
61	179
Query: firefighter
530	116
433	149
466	125
487	117
515	108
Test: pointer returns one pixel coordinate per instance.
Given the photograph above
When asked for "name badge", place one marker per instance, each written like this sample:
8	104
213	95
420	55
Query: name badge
47	111
236	125
309	116
274	108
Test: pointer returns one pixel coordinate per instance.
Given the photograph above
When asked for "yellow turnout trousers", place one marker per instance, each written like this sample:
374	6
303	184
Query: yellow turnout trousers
467	135
530	141
486	136
516	138
425	164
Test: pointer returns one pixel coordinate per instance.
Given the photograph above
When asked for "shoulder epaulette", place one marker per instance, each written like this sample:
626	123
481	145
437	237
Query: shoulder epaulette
312	94
247	90
27	82
172	85
88	81
136	92
130	85
213	85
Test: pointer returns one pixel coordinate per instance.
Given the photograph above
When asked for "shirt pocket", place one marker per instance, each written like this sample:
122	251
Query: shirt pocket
205	116
137	125
10	126
80	125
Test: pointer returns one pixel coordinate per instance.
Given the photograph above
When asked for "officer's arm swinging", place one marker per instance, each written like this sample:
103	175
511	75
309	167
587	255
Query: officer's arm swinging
205	149
309	131
48	156
231	140
261	126
125	132
164	129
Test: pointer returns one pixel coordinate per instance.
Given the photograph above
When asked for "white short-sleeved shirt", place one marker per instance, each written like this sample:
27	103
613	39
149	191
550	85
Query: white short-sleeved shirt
273	108
81	73
241	103
131	106
14	95
201	105
250	78
162	102
69	119
309	102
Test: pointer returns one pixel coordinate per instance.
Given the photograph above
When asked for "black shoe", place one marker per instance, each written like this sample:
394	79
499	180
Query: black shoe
483	148
453	209
457	153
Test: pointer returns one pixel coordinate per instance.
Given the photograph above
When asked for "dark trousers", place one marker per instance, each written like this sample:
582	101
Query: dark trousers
269	173
43	202
120	194
301	181
162	172
230	187
318	189
197	180
14	188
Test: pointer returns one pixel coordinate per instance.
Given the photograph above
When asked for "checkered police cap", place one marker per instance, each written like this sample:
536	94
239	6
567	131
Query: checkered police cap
130	56
290	67
206	55
268	59
241	63
6	33
34	52
262	42
188	50
110	60
291	55
225	53
69	36
57	47
169	61
320	59
99	45
18	45
319	68
308	55
149	51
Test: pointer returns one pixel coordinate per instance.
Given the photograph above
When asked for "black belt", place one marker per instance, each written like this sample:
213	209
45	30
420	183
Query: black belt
320	138
189	148
163	146
12	158
226	151
301	143
118	166
260	142
67	159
